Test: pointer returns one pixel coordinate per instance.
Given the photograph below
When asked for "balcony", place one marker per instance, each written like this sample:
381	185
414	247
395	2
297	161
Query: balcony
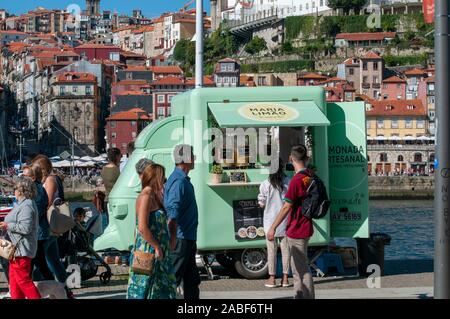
365	85
400	147
376	85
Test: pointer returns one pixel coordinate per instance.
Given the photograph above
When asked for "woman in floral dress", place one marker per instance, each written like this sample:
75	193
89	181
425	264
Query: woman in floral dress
152	235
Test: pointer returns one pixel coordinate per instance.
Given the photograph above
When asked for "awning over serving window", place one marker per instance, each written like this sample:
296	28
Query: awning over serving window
263	114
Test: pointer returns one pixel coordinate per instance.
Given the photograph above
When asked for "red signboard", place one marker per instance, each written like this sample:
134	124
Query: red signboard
428	11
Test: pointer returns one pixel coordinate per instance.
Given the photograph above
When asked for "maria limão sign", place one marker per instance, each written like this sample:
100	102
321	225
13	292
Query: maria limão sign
272	112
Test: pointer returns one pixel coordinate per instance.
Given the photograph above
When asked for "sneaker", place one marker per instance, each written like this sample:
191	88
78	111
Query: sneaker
273	284
6	295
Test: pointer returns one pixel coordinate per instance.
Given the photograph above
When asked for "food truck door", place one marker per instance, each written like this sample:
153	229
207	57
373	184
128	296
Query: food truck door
347	157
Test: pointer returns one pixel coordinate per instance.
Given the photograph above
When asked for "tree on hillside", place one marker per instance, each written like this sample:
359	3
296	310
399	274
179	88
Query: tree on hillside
347	5
184	53
256	45
220	44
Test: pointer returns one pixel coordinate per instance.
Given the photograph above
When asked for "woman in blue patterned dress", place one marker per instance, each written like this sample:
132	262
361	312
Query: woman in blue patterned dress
152	235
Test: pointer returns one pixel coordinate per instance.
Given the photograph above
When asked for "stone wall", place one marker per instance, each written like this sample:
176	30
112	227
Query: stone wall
401	187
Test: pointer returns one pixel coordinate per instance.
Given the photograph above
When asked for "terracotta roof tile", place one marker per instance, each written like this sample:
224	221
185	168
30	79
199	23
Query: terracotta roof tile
415	72
137	68
130	92
371	55
76	77
13	32
334	79
366	36
130	115
394	79
66	53
97	46
313	76
227	60
207	81
351	61
167	69
397	108
132	54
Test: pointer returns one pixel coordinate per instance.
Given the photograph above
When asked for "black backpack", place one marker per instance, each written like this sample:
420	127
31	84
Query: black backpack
316	204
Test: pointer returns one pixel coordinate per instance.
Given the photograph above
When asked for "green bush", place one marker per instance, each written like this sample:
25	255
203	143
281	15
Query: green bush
256	45
287	48
279	67
294	25
329	26
392	60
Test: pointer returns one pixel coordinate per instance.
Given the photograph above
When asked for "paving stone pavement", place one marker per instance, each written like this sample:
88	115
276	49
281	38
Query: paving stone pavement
230	286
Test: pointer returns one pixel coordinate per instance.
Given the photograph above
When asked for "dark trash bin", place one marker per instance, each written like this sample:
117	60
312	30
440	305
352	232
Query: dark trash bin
371	251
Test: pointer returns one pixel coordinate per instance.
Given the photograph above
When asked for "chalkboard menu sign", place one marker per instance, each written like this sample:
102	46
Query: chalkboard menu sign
248	219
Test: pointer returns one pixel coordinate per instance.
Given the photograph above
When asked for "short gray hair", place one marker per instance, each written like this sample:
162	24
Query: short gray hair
142	165
26	187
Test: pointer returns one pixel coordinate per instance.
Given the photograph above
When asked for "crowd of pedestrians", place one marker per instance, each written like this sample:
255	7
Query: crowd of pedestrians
167	221
165	231
36	258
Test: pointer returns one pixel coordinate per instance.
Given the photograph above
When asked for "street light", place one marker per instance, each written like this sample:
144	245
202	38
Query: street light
442	169
199	44
20	144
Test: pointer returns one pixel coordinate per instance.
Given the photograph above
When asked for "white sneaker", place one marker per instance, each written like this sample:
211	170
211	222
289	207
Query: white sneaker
6	296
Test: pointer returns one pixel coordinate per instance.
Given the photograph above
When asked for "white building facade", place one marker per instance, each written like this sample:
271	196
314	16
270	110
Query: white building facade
251	10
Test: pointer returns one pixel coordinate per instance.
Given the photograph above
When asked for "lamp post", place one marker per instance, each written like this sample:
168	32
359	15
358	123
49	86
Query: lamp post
20	150
442	172
73	159
199	45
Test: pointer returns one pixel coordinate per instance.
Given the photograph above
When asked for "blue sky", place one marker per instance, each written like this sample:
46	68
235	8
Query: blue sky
150	8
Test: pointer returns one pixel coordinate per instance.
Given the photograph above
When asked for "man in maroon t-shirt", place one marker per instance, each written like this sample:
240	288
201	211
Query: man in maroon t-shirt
299	228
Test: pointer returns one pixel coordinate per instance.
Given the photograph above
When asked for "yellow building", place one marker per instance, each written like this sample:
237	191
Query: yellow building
398	139
396	118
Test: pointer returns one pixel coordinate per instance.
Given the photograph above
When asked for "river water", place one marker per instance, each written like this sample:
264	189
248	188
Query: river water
410	225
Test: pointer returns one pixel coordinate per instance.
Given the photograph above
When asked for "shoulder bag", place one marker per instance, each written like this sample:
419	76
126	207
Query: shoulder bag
8	249
59	217
143	262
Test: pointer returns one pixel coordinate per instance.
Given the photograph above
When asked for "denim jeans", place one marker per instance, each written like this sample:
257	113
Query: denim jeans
105	221
185	268
48	265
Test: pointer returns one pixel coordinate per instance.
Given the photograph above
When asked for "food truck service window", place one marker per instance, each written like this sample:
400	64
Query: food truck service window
282	123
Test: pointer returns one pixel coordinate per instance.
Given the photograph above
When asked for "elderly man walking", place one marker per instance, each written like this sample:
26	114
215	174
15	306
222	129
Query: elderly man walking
181	206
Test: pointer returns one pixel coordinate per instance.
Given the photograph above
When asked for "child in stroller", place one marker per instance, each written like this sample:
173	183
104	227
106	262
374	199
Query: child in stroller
76	247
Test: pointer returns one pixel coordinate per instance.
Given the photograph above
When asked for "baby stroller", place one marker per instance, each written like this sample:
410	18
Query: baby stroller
76	247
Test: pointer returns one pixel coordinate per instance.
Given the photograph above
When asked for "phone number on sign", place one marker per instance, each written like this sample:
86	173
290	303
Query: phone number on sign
346	216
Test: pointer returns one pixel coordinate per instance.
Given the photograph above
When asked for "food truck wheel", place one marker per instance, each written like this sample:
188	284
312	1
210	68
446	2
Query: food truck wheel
226	261
251	263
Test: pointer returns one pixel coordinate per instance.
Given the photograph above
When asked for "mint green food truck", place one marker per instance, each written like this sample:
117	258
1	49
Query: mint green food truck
230	220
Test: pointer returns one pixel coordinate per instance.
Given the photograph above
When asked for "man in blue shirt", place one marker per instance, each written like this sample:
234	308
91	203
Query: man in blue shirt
181	206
